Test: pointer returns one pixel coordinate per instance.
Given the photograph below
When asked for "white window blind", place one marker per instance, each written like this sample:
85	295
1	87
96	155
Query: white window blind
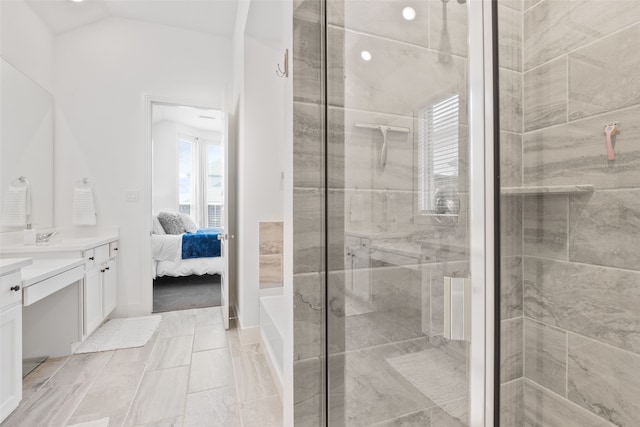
438	135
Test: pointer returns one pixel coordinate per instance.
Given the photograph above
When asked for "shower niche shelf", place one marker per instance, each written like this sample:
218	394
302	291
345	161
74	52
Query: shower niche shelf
547	189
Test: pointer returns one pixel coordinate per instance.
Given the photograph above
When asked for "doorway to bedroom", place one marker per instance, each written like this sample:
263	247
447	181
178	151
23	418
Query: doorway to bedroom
188	206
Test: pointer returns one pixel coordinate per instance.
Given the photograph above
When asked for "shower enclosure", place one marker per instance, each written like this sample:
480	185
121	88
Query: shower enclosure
465	212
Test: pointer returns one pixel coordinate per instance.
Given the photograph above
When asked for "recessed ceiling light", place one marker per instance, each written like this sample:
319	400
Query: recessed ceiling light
77	1
366	55
409	13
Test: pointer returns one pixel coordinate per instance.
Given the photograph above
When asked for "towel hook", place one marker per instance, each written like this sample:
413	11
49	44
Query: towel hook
285	72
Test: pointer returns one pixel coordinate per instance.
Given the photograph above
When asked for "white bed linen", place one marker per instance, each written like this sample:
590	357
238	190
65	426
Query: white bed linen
188	267
166	247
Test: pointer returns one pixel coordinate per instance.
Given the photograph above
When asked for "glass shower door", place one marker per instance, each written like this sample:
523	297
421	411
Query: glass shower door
405	315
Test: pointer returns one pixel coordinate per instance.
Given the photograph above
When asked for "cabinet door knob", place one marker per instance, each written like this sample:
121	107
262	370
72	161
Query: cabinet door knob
92	258
107	268
15	288
115	249
102	271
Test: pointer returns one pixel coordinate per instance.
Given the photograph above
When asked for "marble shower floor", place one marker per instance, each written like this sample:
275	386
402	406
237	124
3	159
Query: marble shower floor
191	373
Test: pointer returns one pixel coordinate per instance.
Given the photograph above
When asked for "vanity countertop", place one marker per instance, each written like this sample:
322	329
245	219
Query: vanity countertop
64	244
8	265
45	268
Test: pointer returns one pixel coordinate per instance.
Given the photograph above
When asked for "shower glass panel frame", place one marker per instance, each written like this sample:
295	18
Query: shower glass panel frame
481	103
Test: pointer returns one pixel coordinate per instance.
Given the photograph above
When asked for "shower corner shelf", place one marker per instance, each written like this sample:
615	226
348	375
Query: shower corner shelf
547	189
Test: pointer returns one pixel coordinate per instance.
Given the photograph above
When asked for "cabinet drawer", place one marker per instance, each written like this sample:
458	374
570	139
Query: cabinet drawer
113	249
89	257
101	254
7	296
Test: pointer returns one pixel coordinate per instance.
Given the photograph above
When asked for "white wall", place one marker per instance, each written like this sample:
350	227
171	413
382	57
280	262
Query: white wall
165	160
26	42
102	73
165	166
260	155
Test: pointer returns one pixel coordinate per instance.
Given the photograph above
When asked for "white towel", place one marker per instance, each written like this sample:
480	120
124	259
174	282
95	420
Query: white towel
84	208
16	206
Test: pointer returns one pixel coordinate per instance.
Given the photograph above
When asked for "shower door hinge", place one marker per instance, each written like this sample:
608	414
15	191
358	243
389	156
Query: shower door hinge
457	308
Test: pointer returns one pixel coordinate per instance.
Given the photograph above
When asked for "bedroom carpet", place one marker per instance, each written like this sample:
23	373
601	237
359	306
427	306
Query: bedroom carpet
184	293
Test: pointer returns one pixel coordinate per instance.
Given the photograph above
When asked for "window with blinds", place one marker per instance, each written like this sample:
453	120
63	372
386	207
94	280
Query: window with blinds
438	133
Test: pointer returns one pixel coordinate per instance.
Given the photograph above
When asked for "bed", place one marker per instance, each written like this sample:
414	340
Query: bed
187	254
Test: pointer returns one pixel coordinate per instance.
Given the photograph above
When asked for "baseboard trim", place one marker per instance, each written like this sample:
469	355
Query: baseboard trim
248	335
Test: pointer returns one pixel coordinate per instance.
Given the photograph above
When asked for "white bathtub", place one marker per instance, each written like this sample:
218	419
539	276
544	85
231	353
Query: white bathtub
273	318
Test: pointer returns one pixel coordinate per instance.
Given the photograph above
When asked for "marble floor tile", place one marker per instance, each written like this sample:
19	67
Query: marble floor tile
177	323
39	377
171	352
129	387
437	376
211	408
376	392
209	337
81	368
262	413
173	422
210	369
111	394
160	396
209	316
252	374
419	418
51	406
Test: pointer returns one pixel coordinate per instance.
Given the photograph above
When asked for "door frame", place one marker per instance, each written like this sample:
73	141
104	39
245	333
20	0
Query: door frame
147	199
484	210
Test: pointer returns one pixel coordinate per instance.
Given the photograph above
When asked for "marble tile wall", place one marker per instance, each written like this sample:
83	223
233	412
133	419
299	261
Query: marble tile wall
511	85
574	256
271	246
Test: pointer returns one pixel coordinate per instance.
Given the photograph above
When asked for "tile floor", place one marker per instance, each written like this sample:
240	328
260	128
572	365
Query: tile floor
191	373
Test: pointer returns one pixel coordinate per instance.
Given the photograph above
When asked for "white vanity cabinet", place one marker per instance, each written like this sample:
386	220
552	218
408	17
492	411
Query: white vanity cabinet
97	296
10	335
100	285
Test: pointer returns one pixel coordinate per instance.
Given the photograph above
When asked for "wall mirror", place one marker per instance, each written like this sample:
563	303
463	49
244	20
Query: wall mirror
26	147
